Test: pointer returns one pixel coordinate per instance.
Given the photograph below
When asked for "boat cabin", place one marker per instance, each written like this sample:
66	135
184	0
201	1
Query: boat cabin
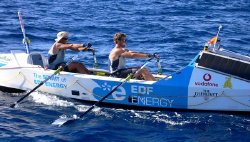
225	62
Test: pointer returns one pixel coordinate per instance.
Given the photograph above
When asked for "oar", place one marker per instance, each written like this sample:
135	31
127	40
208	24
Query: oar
40	84
63	121
95	61
26	40
89	45
159	65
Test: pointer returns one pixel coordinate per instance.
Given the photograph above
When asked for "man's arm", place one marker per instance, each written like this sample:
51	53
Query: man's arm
133	54
75	47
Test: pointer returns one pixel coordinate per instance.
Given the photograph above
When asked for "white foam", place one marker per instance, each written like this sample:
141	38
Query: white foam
81	108
49	100
171	122
146	115
177	114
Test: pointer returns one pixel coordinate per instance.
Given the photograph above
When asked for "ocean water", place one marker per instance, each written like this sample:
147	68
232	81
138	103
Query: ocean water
176	30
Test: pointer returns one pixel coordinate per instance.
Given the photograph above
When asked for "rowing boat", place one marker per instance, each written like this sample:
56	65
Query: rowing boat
216	80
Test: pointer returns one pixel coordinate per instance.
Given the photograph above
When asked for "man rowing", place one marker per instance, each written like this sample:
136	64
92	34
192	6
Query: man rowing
57	53
117	59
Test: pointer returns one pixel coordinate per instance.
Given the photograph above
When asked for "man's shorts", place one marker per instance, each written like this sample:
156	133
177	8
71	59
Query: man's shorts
63	64
123	73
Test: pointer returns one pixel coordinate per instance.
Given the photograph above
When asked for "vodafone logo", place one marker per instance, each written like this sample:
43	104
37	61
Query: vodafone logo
206	81
207	77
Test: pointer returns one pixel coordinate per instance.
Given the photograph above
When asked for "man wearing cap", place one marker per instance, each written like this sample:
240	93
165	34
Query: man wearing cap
57	53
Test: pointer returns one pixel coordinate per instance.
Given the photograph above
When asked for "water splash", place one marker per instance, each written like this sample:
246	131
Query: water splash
50	100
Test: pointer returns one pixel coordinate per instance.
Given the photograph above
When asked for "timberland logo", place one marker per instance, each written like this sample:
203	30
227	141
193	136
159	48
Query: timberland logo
207	78
206	94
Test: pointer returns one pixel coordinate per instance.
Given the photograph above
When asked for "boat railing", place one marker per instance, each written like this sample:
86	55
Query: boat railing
231	54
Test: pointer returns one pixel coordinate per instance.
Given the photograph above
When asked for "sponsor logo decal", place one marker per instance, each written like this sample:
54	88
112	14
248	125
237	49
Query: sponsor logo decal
54	82
142	95
105	87
206	94
206	77
228	83
142	90
119	94
150	101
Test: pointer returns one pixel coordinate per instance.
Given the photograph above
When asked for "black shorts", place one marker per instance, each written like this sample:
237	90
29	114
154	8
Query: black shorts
63	64
123	73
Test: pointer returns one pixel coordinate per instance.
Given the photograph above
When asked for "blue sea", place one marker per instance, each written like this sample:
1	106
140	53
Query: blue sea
174	29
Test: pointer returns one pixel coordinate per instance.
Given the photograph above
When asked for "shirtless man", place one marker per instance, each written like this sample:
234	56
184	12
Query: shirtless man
117	59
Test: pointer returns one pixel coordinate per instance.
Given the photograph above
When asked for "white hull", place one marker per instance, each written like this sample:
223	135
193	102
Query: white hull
194	87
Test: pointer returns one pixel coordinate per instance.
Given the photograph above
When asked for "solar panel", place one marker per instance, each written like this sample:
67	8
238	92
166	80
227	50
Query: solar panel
225	64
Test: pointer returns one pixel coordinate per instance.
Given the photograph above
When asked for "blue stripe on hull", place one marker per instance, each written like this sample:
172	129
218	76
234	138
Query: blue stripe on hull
166	93
2	64
176	88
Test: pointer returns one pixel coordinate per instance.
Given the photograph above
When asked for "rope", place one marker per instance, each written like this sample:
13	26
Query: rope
237	101
221	95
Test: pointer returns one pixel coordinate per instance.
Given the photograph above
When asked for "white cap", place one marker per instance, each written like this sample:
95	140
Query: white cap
61	35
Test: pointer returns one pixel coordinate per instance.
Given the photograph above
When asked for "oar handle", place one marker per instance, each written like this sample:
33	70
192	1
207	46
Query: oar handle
157	57
89	45
159	66
95	61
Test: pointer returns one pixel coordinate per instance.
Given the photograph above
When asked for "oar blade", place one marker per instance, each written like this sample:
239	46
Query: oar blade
61	121
64	120
13	105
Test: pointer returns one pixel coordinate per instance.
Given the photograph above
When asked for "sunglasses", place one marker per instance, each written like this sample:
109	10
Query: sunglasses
65	38
122	40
